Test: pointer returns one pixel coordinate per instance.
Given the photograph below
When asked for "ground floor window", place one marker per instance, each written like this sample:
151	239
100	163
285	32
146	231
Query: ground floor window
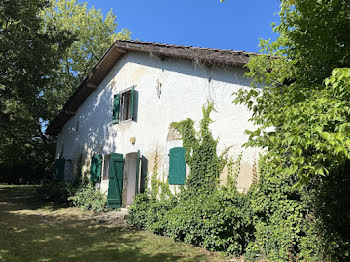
106	161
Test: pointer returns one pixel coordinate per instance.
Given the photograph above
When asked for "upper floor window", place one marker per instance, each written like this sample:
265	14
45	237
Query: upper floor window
124	106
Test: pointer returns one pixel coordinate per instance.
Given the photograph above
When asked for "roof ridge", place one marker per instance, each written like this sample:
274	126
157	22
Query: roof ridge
188	46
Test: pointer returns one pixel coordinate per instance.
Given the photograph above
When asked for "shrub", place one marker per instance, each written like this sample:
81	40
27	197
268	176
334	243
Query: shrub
150	213
137	213
218	222
300	224
157	221
202	214
54	191
88	198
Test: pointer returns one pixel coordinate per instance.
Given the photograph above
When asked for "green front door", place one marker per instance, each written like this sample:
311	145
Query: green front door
115	187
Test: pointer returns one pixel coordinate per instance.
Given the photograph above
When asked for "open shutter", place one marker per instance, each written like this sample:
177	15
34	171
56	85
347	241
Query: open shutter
58	174
177	166
137	172
96	165
132	103
116	106
115	187
144	173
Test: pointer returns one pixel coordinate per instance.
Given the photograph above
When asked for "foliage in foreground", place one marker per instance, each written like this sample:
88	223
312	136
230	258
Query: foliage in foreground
202	214
54	191
300	104
88	198
302	110
84	195
275	220
78	192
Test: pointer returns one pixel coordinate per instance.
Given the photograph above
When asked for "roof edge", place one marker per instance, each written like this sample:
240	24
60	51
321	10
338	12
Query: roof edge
207	56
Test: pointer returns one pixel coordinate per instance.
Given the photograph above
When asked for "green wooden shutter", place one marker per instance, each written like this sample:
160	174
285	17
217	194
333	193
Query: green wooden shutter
137	171
144	173
116	106
59	169
96	165
115	187
177	166
132	101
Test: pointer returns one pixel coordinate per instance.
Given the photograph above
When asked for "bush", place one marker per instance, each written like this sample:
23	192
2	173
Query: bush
54	191
137	213
218	222
88	198
202	214
156	220
150	213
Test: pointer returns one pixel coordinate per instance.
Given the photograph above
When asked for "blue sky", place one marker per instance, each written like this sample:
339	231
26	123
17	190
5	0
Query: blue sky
234	24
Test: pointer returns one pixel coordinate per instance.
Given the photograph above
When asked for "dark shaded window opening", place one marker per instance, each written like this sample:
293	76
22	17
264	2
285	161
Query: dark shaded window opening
126	106
105	172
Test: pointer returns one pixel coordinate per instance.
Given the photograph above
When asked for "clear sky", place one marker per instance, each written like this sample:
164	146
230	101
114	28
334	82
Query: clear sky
234	24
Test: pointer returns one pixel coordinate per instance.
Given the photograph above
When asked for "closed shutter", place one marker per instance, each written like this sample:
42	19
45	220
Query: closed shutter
96	165
177	166
116	106
59	169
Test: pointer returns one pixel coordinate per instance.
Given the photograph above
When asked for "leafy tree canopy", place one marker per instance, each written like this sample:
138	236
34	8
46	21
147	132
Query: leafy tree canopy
28	57
302	88
93	33
46	49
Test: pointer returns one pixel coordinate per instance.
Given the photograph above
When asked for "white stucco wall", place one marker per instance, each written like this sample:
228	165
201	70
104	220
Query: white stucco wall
185	88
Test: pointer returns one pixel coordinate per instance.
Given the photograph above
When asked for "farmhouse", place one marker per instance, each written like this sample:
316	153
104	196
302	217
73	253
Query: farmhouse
117	122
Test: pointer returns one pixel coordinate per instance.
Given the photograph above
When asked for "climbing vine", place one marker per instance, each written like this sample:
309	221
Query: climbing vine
233	168
201	156
203	214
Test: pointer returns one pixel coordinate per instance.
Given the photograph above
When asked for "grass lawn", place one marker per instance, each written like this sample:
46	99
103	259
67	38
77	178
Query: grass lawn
31	230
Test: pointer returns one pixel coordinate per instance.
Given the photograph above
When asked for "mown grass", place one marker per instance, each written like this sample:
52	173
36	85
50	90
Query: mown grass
32	230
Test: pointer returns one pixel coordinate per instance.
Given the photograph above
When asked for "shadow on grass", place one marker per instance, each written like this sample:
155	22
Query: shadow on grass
31	230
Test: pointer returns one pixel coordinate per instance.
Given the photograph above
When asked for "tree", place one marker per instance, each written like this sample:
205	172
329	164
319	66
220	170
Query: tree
46	49
93	36
28	56
300	104
303	118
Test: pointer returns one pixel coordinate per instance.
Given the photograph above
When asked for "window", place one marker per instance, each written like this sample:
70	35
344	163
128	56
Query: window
106	167
126	110
124	106
177	166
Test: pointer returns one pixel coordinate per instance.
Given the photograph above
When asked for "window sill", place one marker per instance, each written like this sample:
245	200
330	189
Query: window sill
114	122
126	121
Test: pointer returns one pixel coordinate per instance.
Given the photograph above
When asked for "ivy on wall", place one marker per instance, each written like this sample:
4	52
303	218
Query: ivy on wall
203	213
205	165
273	221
